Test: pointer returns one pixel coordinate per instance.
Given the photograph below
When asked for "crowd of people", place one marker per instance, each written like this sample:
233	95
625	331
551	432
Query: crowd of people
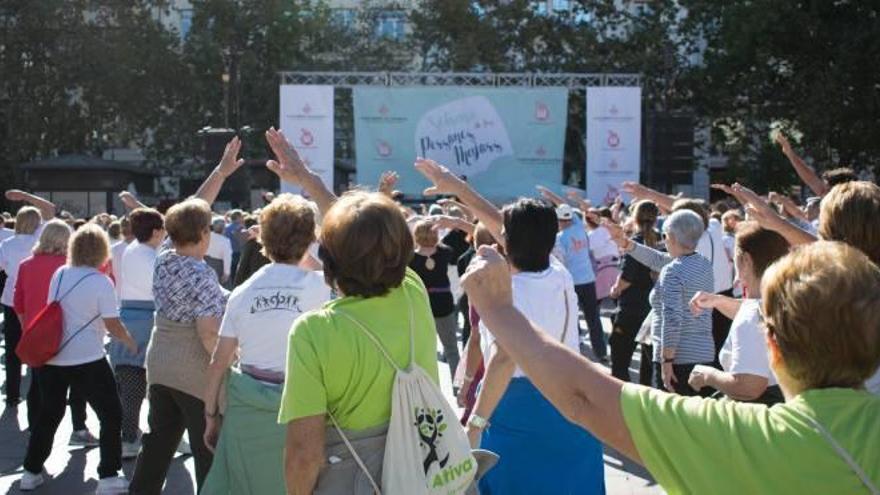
756	319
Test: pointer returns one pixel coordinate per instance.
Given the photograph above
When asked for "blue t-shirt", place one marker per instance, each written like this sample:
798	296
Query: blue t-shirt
233	233
573	250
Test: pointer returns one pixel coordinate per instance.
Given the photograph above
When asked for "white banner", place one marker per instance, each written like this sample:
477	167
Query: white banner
307	121
614	132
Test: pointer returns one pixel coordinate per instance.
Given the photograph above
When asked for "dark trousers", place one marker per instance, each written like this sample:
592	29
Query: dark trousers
623	344
646	366
682	372
95	381
236	257
12	334
720	328
132	382
171	412
464	308
586	294
75	400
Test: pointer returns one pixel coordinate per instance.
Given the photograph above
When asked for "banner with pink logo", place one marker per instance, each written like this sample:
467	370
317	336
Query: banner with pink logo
502	140
614	130
307	121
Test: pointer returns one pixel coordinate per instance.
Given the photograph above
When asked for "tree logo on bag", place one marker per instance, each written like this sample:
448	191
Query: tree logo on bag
431	427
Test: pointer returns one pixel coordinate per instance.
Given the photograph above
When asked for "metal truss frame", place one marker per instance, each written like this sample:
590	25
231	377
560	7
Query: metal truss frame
474	79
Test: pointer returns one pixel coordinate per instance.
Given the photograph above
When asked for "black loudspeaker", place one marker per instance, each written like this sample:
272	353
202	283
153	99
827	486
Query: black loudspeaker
669	142
212	143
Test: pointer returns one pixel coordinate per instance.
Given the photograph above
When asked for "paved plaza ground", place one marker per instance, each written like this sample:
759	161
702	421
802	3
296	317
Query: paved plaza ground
74	470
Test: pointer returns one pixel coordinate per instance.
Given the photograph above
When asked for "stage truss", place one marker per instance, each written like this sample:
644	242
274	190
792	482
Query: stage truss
572	81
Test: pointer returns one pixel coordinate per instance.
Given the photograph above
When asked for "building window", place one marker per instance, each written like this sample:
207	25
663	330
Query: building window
343	18
391	25
186	17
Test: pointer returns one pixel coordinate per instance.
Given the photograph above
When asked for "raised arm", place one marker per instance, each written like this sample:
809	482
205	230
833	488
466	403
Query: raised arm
46	207
289	167
580	390
757	208
551	196
130	200
445	182
638	191
790	207
652	258
447	222
227	166
387	182
804	171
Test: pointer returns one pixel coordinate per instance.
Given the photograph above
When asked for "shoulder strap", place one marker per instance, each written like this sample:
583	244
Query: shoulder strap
565	325
375	340
58	287
354	454
64	344
843	454
70	289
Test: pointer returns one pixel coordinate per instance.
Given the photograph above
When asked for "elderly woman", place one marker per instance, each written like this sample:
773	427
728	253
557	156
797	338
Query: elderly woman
511	417
12	251
746	374
88	303
334	368
250	450
821	307
681	339
431	262
189	304
31	293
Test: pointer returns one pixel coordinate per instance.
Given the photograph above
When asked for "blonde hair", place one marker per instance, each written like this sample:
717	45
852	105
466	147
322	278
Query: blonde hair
849	213
54	238
89	246
287	228
424	234
27	220
187	222
822	308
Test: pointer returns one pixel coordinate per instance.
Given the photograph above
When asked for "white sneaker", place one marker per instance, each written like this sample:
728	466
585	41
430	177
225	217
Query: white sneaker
184	448
83	438
112	486
30	481
130	450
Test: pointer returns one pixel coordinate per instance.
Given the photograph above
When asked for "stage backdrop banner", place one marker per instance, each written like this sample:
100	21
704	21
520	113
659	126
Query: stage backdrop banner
504	141
614	123
307	121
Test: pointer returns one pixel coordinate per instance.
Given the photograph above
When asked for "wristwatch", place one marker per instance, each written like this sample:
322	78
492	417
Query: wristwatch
478	422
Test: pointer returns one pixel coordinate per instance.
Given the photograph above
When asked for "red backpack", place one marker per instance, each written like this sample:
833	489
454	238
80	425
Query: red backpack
41	340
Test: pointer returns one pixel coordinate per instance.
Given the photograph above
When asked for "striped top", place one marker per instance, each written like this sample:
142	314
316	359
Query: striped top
674	326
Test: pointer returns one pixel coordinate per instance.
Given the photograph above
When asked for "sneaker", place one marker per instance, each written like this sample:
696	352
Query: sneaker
130	450
82	438
116	485
30	481
184	448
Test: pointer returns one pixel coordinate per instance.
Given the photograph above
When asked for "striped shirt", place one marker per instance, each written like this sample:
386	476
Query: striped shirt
674	326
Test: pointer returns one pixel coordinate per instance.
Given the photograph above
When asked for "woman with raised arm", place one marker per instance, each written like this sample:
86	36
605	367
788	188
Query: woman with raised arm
746	374
821	307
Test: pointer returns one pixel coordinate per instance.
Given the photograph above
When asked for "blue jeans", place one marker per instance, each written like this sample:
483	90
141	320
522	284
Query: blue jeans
586	294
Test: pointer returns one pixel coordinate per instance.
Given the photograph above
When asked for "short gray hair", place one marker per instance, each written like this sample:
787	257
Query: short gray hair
686	227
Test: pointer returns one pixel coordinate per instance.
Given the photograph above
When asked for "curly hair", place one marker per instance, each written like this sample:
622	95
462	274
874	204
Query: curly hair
287	228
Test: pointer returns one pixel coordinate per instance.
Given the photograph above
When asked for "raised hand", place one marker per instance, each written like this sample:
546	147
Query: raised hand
617	234
388	181
288	166
445	182
16	195
487	281
783	143
230	161
755	205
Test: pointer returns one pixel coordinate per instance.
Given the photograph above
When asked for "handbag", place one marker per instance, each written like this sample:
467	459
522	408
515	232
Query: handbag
41	340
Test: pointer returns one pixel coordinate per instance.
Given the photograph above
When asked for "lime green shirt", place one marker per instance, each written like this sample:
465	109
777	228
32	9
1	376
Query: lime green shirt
694	445
332	366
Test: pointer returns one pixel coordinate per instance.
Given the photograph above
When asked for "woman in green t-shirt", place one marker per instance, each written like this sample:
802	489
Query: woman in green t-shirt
821	311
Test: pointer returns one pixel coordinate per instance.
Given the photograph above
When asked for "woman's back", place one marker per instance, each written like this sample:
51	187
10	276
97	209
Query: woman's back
333	367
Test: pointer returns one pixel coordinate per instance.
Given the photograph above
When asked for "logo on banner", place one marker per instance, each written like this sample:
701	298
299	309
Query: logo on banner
542	112
306	138
307	109
613	165
383	110
466	135
541	151
613	110
383	148
613	139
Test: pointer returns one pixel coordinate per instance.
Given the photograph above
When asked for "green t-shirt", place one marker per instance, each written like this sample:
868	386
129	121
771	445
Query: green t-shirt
332	365
695	445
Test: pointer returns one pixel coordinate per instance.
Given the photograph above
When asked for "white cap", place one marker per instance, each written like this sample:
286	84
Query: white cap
564	212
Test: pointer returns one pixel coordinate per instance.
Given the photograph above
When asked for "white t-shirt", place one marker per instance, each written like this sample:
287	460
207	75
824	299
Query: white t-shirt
12	252
873	384
220	248
745	350
711	247
539	296
6	233
601	244
137	272
116	252
94	296
261	311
